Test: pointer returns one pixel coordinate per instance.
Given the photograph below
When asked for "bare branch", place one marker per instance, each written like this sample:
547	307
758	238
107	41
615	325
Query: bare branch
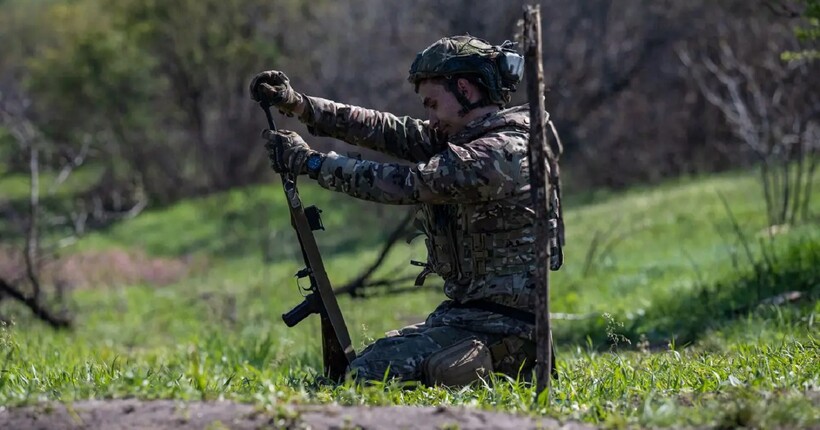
13	115
763	101
76	161
32	234
33	304
782	8
363	281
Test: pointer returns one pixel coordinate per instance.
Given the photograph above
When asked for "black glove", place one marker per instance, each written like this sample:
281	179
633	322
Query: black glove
287	151
274	88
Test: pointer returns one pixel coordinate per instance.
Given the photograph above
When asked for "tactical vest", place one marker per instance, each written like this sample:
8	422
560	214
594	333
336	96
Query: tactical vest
486	251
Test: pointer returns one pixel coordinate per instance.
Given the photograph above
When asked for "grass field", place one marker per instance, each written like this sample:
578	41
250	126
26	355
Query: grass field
673	322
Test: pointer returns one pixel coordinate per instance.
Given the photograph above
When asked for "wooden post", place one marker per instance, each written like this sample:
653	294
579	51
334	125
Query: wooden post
539	188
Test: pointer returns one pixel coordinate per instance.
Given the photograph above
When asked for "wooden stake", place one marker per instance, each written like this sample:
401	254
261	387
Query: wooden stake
539	187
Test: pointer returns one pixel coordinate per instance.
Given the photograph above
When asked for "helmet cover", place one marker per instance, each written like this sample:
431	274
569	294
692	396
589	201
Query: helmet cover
498	68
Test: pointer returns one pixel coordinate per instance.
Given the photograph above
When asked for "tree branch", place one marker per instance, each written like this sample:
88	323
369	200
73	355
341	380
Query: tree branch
362	281
32	303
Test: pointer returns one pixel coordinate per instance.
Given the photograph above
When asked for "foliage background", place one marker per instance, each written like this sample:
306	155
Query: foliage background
158	92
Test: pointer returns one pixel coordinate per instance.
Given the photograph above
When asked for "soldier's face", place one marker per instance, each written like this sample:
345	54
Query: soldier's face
442	107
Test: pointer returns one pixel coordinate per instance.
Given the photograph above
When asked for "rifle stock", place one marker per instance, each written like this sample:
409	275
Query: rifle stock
337	350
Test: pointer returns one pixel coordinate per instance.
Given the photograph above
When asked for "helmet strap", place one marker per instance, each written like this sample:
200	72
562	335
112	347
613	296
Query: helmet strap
466	106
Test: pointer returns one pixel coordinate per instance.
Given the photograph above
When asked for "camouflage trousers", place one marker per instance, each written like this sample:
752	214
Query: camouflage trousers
401	355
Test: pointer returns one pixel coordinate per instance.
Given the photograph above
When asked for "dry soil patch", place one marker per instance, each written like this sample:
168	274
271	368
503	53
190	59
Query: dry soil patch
169	414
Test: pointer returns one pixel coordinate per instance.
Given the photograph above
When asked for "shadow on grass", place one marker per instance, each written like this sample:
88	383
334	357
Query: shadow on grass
684	317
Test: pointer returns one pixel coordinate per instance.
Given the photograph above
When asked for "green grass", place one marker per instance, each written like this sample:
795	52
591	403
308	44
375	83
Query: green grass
54	197
687	340
17	186
246	222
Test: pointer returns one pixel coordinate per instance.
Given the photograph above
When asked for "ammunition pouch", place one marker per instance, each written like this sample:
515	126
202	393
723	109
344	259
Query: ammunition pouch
471	359
498	253
481	254
459	364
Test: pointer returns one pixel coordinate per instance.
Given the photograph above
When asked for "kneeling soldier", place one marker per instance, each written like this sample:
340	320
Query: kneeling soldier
470	181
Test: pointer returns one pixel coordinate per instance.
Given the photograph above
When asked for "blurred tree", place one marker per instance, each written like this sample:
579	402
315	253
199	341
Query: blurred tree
770	105
91	84
161	90
206	52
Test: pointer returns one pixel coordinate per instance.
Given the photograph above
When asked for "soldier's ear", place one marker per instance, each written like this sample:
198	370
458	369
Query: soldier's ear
465	87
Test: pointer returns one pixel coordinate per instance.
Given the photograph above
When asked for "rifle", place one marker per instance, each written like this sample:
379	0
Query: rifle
337	350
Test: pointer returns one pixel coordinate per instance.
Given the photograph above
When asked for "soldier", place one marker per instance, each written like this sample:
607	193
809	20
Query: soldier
471	184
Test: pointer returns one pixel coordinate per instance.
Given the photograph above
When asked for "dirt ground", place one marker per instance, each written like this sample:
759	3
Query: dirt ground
168	414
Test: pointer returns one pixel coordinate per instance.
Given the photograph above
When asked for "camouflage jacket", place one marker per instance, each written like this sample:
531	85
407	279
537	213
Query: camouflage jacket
472	192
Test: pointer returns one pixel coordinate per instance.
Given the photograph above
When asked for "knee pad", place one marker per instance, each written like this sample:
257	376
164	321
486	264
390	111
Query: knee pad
459	364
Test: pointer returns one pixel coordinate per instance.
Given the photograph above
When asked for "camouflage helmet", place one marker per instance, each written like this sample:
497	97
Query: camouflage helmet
498	68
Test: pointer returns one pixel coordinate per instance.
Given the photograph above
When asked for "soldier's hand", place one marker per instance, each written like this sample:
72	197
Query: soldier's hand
274	88
287	151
